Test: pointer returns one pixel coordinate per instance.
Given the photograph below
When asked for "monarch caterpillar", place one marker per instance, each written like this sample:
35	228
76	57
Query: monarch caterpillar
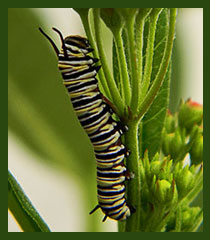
94	113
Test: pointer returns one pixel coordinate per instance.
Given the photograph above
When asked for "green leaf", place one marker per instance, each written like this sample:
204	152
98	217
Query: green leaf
153	121
22	209
160	39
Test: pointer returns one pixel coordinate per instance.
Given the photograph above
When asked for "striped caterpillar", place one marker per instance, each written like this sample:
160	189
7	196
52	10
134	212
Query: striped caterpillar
95	115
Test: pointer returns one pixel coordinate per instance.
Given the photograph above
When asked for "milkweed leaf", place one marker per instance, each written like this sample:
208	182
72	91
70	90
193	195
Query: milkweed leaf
22	209
153	121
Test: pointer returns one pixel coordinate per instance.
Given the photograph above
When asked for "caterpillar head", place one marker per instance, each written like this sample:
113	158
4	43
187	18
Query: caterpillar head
77	43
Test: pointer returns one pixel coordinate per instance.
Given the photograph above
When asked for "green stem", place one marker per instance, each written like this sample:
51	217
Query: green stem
121	226
197	223
135	83
124	78
133	185
110	81
85	21
139	47
157	215
166	218
163	67
150	50
178	219
140	21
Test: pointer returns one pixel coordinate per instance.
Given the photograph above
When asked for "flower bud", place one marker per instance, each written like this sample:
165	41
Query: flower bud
162	169
155	167
184	180
166	139
169	122
196	151
176	144
146	163
163	191
174	193
156	157
172	143
190	113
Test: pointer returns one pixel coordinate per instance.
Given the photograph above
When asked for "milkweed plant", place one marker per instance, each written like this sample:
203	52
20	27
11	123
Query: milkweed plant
166	149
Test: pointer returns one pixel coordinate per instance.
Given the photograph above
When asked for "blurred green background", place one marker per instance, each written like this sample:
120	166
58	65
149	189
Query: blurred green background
49	152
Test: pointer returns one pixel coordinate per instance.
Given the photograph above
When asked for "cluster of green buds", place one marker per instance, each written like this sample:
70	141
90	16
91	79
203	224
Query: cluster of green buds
158	186
168	189
183	133
169	183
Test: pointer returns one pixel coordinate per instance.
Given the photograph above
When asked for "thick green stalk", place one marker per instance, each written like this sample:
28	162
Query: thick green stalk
163	67
139	47
110	81
124	78
121	226
133	185
149	51
178	225
135	83
86	24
